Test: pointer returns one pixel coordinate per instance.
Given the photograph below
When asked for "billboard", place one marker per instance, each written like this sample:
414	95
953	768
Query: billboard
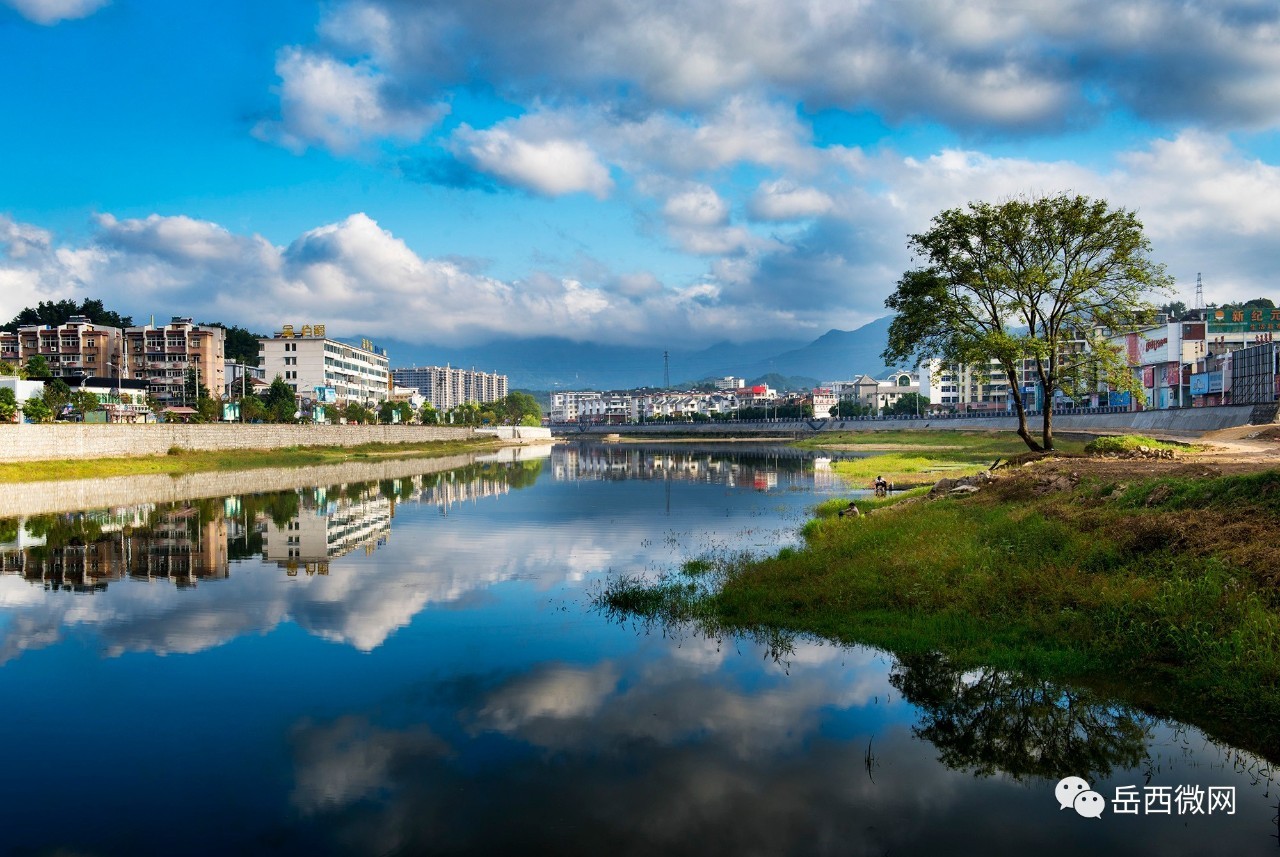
326	395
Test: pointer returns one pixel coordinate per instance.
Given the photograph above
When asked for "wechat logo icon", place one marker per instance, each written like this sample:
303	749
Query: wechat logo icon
1075	793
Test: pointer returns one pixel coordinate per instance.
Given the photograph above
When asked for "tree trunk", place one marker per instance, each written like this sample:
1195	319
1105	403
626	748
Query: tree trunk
1022	413
1047	431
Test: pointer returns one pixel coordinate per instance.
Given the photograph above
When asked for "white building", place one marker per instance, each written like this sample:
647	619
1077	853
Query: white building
567	407
446	387
730	383
307	360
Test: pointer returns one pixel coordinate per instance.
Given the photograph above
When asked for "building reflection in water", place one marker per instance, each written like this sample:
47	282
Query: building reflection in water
197	540
756	466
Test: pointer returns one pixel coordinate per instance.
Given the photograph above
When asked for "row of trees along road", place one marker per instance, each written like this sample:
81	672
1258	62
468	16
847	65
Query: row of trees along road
1021	280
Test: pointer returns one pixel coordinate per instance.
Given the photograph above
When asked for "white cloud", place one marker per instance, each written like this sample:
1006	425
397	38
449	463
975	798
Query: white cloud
339	106
547	166
699	206
52	11
783	200
977	64
1207	207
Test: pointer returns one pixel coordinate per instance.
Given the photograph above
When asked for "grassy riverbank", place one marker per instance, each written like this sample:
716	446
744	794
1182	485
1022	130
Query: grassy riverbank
911	457
1160	590
180	461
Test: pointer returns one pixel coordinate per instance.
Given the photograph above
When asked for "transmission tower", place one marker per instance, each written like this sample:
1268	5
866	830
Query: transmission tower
666	370
1199	292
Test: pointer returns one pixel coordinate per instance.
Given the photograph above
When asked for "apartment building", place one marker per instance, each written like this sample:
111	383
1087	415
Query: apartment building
329	370
161	355
446	387
76	348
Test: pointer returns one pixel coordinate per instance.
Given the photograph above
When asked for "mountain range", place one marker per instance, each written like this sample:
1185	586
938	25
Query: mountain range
549	363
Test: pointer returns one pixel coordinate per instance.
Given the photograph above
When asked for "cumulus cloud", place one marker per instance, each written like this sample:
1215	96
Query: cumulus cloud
838	249
52	11
340	106
783	200
547	166
976	65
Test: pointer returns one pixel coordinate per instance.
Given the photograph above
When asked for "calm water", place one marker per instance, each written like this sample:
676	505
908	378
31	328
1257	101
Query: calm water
414	666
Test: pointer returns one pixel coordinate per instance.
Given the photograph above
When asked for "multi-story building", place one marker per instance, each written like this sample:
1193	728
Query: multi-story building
243	379
965	387
162	355
446	387
77	347
568	407
310	363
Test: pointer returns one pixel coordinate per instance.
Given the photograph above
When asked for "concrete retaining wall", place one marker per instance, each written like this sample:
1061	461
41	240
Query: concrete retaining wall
525	433
29	442
1187	422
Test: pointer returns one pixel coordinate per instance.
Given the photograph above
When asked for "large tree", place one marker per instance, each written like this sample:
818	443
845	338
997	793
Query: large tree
1029	280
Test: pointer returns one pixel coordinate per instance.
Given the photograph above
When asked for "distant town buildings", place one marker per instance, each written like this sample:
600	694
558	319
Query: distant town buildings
446	387
77	347
162	355
332	372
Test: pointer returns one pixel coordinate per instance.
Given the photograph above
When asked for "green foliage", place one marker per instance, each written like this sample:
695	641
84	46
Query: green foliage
239	344
281	402
1126	443
37	367
909	405
1020	280
51	313
386	412
405	411
354	412
428	415
37	411
83	403
849	406
514	408
57	395
208	410
8	405
252	409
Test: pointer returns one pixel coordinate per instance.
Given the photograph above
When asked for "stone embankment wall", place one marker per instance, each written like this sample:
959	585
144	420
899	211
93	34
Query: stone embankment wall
88	440
521	433
1185	422
38	498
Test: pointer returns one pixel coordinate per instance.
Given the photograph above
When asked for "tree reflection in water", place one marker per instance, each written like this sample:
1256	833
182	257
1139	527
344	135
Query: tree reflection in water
990	721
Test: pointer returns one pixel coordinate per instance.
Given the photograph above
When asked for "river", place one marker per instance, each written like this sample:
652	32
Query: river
415	665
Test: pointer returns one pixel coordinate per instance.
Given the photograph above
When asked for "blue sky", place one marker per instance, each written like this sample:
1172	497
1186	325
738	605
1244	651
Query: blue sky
614	171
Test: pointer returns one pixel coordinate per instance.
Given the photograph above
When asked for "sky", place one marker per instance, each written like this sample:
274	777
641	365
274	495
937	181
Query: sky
635	172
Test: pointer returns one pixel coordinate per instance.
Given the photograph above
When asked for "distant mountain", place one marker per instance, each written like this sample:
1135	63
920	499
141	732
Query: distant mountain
550	363
836	355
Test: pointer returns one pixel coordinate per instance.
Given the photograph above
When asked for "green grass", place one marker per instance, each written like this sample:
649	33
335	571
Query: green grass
925	455
179	461
1124	593
1129	443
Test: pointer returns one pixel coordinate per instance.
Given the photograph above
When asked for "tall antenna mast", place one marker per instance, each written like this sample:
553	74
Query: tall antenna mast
666	370
1199	292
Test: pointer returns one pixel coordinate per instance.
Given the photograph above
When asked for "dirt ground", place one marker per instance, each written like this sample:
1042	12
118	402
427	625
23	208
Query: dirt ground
1244	449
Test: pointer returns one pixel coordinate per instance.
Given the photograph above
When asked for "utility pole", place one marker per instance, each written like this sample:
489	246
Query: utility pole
666	370
1199	292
